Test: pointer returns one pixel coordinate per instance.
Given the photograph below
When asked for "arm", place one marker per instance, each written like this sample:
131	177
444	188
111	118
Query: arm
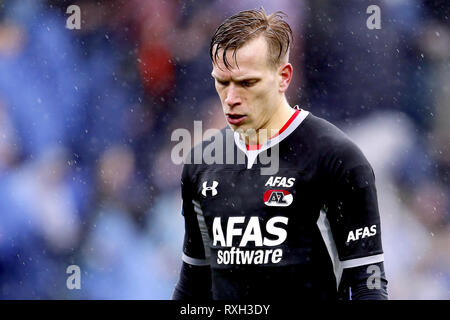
352	212
195	275
194	283
366	282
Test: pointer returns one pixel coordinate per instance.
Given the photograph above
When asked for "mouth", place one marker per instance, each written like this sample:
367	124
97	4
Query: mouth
234	118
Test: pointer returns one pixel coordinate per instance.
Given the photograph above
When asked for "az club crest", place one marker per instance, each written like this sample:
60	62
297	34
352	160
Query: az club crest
277	198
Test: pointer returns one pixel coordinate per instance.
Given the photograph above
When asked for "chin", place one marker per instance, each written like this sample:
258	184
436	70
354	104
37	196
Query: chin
233	127
241	128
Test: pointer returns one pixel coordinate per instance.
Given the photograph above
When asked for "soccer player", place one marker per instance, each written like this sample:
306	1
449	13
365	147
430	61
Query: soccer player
311	229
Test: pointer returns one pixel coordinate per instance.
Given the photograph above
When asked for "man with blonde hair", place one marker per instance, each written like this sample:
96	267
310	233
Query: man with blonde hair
311	230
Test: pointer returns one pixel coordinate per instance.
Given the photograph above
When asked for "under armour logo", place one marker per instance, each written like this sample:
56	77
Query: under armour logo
213	188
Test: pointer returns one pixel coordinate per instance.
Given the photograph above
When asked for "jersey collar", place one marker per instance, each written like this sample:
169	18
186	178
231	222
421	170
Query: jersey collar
252	151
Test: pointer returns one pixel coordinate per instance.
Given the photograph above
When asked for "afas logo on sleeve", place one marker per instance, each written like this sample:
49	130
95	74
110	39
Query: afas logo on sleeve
362	233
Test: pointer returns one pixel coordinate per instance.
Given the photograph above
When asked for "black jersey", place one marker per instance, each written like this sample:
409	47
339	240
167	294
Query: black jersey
289	234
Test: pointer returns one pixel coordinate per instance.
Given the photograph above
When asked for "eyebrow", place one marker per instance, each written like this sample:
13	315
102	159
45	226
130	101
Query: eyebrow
245	78
214	76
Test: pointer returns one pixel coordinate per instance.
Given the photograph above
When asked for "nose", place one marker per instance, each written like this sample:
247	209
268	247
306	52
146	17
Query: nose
232	99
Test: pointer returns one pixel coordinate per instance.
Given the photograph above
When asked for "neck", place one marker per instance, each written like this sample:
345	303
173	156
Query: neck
281	115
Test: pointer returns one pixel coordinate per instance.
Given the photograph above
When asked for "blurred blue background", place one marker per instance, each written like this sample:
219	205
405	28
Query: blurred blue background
86	116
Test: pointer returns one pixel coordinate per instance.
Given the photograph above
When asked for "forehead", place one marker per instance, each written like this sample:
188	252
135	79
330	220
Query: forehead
251	59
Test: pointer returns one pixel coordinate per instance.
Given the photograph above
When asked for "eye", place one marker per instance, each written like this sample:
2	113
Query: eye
247	83
223	83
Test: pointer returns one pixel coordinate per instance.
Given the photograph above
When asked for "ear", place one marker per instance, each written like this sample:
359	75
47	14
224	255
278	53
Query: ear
285	73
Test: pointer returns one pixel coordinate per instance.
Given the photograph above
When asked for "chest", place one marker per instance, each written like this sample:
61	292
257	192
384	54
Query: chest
246	193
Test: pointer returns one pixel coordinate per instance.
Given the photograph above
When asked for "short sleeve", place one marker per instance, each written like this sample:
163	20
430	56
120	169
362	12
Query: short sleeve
196	239
351	216
354	217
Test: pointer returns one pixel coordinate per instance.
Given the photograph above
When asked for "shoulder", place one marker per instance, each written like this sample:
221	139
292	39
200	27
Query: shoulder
323	132
336	152
195	162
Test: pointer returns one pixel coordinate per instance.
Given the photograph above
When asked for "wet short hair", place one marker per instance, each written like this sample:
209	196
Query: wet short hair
246	25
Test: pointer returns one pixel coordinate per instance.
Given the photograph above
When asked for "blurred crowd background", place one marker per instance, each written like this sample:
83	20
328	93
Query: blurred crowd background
86	117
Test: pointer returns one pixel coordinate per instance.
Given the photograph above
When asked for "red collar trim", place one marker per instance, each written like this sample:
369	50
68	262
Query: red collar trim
286	125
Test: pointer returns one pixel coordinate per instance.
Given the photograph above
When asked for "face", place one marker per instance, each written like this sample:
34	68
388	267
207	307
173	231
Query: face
251	91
